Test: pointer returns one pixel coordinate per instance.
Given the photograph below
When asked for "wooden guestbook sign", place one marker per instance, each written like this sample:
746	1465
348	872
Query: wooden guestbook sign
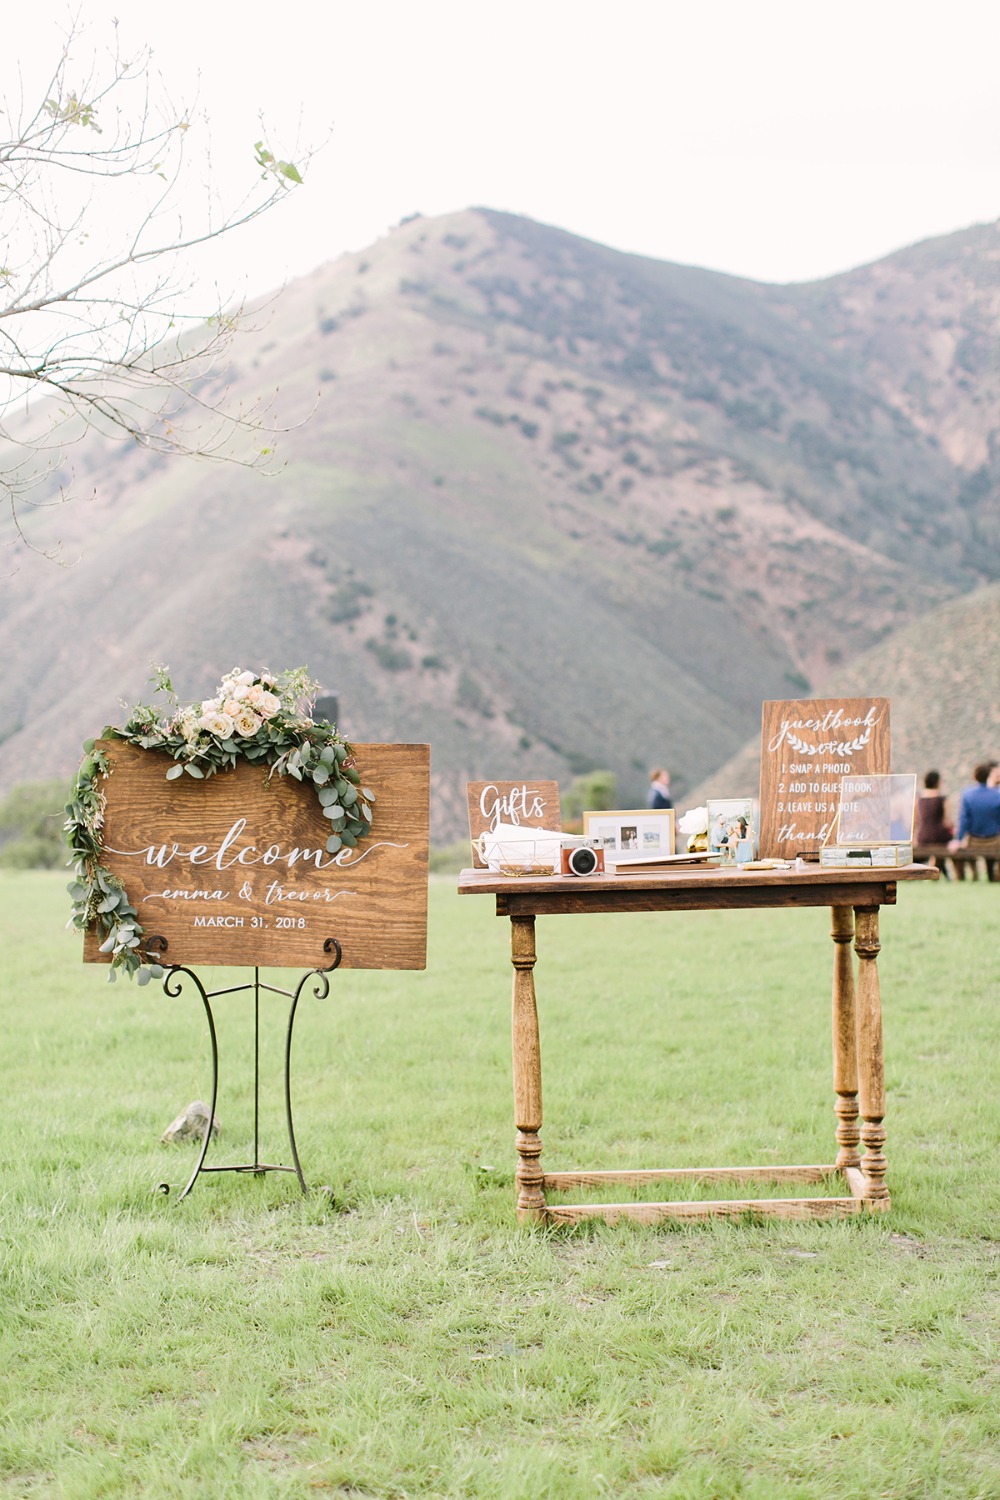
808	745
234	869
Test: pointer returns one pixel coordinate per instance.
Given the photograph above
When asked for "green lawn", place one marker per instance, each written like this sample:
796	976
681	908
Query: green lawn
397	1334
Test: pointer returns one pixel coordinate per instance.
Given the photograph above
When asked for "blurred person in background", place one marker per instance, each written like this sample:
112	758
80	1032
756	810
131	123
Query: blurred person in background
931	824
659	789
979	817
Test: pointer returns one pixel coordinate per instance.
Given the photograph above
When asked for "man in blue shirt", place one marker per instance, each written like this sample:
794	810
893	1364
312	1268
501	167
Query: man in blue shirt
979	818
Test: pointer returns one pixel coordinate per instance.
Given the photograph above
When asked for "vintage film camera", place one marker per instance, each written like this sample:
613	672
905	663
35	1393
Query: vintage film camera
579	856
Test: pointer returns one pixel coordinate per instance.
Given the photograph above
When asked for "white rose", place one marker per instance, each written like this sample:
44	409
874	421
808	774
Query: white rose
254	695
219	724
246	722
244	678
211	705
694	821
231	705
268	705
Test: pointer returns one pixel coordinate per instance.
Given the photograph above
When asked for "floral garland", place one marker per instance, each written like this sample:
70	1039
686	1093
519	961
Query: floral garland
263	718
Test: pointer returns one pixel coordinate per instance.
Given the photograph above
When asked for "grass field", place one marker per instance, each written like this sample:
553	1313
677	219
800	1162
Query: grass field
397	1334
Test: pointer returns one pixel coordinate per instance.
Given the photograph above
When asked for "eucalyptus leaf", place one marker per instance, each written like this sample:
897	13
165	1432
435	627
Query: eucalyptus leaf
194	771
333	843
175	771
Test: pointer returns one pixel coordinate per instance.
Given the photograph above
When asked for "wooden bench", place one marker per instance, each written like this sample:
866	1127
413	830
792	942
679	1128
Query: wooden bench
958	860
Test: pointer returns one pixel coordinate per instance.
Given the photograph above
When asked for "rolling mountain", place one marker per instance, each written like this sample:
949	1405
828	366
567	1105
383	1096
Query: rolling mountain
548	506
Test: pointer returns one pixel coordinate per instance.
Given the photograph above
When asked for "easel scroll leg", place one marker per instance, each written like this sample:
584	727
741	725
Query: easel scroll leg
871	1065
527	1071
845	1046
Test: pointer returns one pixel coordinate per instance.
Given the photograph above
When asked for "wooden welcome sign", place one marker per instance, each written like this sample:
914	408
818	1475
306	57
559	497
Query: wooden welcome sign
529	804
808	745
234	869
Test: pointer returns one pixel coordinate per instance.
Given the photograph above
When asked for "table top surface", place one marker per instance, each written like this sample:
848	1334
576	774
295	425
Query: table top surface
708	884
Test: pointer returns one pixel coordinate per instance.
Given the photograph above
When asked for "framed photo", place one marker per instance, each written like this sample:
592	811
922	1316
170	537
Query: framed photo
732	829
634	833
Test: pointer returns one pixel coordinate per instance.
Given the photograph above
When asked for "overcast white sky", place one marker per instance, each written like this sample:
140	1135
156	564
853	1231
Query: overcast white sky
779	139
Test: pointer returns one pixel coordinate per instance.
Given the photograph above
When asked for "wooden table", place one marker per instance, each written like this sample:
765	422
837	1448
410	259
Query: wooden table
854	897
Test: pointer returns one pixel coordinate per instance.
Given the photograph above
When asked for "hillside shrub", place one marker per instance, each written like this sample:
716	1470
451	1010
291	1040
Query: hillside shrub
347	601
473	696
390	656
592	792
31	820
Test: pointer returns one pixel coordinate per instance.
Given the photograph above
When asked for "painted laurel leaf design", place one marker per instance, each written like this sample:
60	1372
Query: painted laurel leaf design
844	747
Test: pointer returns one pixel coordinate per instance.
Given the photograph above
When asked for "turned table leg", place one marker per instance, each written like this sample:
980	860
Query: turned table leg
871	1066
845	1045
527	1071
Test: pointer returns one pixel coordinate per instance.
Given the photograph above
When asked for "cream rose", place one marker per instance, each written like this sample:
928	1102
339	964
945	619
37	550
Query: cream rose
189	725
246	722
268	705
218	723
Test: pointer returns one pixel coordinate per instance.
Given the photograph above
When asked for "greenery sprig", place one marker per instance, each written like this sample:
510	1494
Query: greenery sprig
263	718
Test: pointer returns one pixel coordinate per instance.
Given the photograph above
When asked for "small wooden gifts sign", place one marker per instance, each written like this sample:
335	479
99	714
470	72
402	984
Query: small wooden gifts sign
234	869
527	804
808	745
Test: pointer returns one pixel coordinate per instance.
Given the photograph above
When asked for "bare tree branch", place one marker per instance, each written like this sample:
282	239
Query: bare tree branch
99	329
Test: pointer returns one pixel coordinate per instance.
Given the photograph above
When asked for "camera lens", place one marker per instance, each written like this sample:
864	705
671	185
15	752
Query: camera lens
582	861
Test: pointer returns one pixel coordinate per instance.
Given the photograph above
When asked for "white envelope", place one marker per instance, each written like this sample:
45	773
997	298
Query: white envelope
517	846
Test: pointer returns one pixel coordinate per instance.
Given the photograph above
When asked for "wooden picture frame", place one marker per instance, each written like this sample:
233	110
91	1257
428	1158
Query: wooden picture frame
636	833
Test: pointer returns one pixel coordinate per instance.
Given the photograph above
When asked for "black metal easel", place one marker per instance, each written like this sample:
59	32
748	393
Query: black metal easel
173	985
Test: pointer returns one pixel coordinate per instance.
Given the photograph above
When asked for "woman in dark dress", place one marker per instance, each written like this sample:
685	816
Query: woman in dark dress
931	824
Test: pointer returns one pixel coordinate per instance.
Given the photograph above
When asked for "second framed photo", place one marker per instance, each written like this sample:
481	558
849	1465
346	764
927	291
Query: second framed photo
636	833
732	829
